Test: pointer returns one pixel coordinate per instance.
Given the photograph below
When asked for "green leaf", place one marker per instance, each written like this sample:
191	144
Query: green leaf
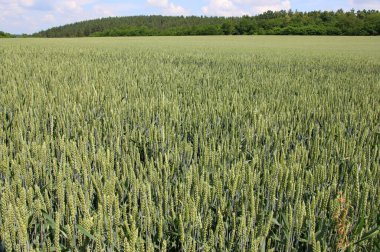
276	238
263	244
85	232
360	226
49	219
303	240
286	225
275	221
368	235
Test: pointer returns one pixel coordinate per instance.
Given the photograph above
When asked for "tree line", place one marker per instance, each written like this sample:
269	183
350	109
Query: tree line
361	22
5	35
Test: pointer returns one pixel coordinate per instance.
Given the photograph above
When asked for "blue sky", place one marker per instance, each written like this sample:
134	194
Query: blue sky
28	16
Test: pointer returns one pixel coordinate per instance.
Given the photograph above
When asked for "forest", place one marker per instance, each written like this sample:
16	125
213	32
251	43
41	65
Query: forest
350	23
5	35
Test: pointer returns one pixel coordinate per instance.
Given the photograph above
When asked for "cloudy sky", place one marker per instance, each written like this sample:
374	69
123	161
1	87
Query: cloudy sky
28	16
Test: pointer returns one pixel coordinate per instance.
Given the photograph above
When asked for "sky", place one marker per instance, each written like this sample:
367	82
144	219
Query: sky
29	16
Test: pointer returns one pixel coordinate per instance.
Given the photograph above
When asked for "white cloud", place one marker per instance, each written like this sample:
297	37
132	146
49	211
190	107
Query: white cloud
107	10
158	3
365	4
173	9
243	7
28	16
168	8
223	8
27	3
64	6
50	18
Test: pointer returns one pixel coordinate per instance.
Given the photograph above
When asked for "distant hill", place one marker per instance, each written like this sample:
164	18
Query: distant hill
365	22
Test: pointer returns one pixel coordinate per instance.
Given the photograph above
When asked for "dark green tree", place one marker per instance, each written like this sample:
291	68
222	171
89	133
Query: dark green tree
364	22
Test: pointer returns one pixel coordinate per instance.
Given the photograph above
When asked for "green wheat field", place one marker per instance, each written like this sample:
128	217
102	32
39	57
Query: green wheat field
251	143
